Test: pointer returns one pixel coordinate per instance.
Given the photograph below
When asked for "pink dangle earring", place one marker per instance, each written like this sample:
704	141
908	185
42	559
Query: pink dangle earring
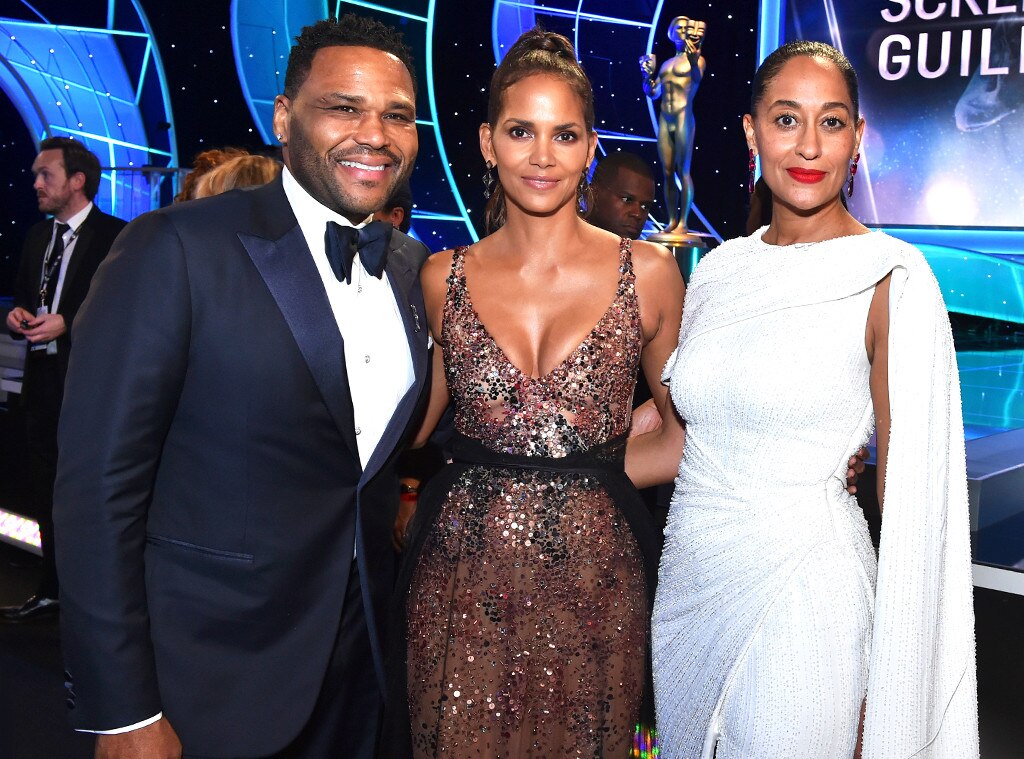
853	173
751	168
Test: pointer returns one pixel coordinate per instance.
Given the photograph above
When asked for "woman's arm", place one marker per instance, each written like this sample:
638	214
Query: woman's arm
438	401
877	343
653	458
433	278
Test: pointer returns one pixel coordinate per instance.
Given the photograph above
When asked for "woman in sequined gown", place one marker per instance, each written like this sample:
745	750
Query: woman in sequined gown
530	566
775	632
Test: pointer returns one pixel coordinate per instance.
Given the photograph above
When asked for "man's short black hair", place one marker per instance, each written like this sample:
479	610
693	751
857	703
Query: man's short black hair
77	158
402	198
349	30
608	167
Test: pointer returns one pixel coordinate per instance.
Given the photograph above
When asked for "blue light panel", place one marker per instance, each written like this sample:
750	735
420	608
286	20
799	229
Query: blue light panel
74	81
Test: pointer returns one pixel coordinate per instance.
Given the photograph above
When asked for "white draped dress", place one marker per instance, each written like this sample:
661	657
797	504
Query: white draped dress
773	621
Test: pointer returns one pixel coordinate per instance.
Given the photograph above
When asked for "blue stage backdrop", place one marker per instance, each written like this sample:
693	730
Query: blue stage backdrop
91	71
457	59
142	82
218	65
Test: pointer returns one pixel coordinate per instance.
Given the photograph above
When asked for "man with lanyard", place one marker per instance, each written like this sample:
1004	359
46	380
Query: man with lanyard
58	261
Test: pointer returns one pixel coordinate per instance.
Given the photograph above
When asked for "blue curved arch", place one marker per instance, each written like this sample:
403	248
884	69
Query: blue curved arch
79	82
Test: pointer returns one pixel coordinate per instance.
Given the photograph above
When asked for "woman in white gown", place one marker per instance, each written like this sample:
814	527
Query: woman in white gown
775	632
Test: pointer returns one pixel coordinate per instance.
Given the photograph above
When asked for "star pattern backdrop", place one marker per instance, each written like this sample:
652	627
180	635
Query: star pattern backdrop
210	109
609	50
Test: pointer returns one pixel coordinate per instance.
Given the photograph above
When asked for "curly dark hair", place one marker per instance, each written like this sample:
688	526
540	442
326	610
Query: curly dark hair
77	159
349	30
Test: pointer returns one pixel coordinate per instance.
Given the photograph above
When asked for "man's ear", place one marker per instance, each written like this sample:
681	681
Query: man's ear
282	118
77	181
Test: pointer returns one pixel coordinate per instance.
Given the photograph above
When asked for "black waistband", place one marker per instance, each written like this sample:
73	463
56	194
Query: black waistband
607	458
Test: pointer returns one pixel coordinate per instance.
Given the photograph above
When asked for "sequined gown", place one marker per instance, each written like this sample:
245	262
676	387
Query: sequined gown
528	603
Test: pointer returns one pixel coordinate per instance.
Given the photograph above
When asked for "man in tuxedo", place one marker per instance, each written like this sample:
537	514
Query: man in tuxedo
57	265
227	487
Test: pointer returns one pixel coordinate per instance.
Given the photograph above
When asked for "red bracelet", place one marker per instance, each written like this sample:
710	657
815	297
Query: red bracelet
408	497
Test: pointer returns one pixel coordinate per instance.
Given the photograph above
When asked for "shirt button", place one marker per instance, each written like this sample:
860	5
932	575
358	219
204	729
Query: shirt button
359	430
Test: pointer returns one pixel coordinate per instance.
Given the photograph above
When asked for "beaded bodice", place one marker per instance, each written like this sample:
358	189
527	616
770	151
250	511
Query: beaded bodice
582	402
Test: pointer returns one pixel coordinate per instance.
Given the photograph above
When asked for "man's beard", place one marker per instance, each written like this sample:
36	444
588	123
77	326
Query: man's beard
315	175
53	204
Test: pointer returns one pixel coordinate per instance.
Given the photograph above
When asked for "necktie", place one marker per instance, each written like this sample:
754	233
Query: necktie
51	265
344	243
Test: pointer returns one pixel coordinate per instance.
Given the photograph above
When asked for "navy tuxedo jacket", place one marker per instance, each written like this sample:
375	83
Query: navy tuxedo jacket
209	492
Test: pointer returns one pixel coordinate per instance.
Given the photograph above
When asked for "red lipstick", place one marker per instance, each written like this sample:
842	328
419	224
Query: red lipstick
806	176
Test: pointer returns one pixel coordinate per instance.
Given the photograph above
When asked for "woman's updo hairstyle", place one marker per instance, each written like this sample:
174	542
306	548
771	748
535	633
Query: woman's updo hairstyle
535	52
772	65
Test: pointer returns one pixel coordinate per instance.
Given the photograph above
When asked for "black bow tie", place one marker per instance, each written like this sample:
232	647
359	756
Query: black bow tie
371	243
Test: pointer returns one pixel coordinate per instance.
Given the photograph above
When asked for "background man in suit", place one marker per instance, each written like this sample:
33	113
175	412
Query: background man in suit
623	186
244	399
57	264
398	208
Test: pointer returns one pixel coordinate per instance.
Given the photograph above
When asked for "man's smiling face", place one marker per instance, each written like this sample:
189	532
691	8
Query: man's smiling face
350	130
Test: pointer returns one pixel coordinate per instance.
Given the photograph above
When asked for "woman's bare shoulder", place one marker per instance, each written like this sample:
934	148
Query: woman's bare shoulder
655	266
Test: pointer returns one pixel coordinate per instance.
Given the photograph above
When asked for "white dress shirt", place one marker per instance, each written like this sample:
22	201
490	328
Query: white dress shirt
70	238
377	355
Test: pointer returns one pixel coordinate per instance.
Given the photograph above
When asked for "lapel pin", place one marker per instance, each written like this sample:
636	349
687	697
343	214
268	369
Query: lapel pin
415	318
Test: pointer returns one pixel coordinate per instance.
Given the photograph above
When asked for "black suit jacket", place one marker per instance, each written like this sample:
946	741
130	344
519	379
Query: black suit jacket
209	491
95	237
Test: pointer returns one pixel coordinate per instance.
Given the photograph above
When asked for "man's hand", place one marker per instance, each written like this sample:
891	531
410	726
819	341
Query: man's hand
856	469
156	741
15	317
645	418
43	329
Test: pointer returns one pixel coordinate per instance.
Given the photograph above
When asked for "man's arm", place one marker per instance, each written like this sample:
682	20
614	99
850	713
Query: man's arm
124	379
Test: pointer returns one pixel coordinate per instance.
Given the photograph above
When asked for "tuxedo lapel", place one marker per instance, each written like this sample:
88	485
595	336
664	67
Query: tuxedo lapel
287	268
403	278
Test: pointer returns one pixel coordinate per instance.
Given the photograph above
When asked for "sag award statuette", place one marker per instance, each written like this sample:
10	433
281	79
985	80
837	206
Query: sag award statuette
676	83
